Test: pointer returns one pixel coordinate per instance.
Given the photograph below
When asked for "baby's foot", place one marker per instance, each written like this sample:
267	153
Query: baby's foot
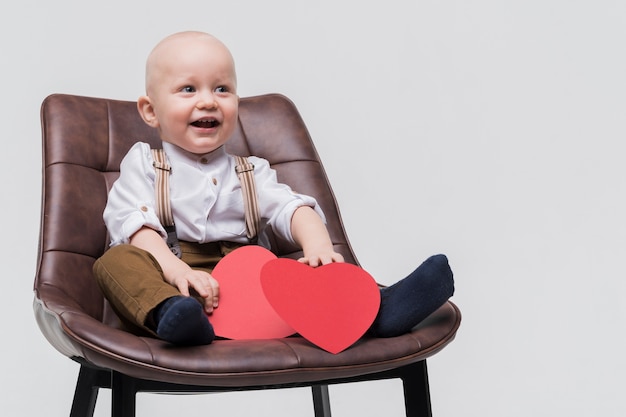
409	301
181	320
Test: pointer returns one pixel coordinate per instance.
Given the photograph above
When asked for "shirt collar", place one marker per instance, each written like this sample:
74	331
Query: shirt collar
178	154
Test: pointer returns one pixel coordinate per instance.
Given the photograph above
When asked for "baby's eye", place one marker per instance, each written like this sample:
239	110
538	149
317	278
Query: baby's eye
221	89
188	89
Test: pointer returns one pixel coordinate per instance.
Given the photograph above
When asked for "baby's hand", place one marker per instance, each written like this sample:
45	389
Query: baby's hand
321	258
203	283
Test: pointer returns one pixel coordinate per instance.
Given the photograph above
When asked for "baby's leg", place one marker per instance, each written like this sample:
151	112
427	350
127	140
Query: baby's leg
409	301
132	280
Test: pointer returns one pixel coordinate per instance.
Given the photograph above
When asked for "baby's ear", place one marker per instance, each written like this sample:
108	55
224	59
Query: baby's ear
146	111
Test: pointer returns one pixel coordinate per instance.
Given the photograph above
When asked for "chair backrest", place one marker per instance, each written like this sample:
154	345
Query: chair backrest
84	141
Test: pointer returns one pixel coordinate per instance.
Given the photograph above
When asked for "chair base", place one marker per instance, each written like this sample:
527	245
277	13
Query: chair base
124	389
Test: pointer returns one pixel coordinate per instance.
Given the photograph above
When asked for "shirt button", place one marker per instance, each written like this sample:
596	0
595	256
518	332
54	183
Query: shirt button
214	181
204	161
144	209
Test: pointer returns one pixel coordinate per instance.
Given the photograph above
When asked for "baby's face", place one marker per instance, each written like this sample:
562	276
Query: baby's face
192	89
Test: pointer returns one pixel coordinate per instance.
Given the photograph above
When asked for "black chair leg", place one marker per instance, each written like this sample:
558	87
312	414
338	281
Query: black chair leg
123	395
124	392
321	400
89	382
416	390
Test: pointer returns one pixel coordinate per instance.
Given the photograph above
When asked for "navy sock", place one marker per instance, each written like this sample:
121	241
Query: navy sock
409	301
181	320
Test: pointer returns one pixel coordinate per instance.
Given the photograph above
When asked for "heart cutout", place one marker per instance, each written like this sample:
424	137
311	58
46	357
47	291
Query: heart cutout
244	312
331	306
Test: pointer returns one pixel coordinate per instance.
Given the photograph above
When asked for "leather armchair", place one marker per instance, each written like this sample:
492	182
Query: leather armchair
84	140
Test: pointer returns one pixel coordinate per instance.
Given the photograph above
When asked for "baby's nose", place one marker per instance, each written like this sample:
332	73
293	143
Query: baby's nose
206	101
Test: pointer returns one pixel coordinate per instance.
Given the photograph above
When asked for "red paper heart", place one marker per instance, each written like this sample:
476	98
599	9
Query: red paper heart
244	312
331	306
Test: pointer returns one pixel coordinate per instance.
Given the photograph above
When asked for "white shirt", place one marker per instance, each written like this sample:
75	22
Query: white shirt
205	194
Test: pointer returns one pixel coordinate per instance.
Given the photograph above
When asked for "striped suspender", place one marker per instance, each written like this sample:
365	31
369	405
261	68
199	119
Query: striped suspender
162	192
245	172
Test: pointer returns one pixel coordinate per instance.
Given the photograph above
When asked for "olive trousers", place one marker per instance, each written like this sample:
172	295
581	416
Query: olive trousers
133	282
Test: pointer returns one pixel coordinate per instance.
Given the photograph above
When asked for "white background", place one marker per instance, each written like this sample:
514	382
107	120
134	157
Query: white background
491	131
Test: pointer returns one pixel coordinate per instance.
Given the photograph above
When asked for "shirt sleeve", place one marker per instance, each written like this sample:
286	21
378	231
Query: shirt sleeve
278	201
131	201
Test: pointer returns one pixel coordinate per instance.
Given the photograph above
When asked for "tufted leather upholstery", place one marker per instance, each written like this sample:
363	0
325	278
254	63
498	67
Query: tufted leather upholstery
84	140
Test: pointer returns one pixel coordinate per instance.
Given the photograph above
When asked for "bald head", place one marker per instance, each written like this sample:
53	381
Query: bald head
182	45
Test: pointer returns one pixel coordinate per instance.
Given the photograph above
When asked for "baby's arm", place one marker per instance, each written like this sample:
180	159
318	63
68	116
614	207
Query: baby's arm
175	271
310	233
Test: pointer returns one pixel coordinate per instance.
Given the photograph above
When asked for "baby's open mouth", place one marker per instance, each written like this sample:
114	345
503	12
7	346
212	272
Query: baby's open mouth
205	123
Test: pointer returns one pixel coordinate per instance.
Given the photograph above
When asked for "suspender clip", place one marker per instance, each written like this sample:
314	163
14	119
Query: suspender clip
164	166
172	241
245	167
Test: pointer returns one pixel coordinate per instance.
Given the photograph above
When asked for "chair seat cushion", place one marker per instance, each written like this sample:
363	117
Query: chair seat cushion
232	363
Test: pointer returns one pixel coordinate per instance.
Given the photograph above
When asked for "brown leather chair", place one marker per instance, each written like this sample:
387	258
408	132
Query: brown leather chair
84	140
